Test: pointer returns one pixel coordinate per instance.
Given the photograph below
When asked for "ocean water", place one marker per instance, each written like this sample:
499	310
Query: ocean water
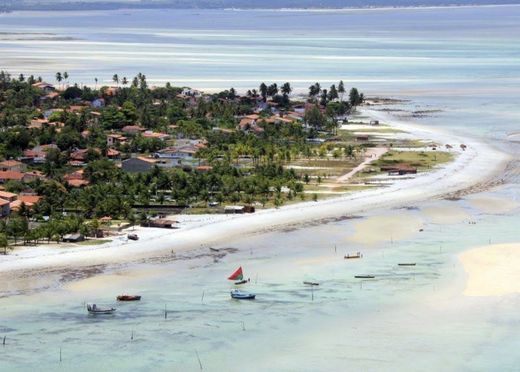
464	62
407	318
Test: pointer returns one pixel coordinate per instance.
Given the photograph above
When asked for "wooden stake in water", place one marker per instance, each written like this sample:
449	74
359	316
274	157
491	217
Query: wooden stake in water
256	278
60	354
312	292
243	326
165	312
198	358
132	337
3	342
335	249
202	298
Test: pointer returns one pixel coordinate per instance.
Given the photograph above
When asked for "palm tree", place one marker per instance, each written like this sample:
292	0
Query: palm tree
66	77
59	77
96	80
286	89
124	81
115	78
263	91
341	90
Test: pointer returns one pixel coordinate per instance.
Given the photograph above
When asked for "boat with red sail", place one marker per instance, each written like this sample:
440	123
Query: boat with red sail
238	276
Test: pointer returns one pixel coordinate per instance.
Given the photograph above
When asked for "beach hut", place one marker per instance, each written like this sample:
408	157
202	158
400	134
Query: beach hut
73	238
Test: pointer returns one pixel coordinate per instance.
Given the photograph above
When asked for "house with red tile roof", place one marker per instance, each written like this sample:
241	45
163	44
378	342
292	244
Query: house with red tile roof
6	176
12	165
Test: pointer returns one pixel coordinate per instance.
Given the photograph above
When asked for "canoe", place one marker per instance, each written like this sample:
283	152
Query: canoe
214	249
311	283
364	276
239	295
406	264
351	256
98	310
128	298
242	282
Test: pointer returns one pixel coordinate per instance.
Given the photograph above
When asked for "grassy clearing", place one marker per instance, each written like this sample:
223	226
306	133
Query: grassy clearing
423	160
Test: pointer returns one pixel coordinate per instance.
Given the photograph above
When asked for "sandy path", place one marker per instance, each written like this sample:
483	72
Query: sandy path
480	162
372	154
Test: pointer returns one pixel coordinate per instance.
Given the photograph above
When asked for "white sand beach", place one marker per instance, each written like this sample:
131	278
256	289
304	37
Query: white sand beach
492	270
478	164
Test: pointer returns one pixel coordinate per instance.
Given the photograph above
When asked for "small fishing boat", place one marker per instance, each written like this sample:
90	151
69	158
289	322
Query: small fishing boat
214	249
239	295
406	264
133	236
238	275
364	276
128	298
311	283
355	255
93	309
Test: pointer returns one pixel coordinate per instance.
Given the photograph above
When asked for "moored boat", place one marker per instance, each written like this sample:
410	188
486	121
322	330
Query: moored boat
133	236
239	295
364	276
354	255
406	264
311	283
94	309
128	298
238	275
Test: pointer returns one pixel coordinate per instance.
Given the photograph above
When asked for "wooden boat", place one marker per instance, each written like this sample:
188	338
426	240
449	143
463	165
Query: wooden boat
214	249
239	295
364	276
128	298
133	236
243	281
351	256
93	309
406	264
311	283
237	275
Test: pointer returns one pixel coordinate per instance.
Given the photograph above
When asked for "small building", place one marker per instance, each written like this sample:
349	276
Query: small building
234	209
46	87
138	164
9	196
160	223
132	129
98	103
362	137
73	238
400	169
6	176
5	209
115	139
12	165
374	122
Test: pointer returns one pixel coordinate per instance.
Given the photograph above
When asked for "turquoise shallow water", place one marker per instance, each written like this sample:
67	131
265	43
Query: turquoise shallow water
462	61
407	318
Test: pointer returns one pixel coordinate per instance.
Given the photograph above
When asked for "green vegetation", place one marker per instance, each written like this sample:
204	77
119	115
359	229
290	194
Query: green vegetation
246	144
423	160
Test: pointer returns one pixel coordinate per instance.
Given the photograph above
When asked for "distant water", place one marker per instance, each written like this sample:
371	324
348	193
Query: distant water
462	59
